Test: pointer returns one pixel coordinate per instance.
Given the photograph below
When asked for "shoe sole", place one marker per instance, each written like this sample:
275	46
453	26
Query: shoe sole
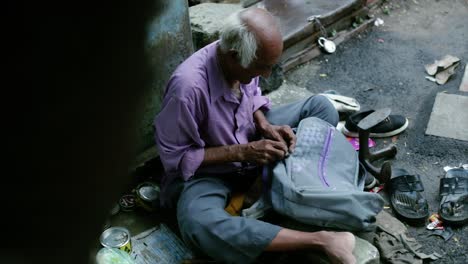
376	135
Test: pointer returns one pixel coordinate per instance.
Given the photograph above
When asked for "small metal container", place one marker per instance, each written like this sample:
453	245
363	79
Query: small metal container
117	237
127	203
147	196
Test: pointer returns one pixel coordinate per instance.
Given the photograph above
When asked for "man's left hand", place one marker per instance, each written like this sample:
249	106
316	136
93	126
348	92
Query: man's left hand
280	133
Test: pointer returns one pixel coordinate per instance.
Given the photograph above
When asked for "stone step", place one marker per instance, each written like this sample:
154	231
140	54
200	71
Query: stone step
294	17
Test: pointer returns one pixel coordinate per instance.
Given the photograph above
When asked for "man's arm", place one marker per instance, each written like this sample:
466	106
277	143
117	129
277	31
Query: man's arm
283	134
279	143
260	152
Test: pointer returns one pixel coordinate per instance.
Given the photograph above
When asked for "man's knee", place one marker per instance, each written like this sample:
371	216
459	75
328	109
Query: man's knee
192	223
200	205
195	216
198	227
327	111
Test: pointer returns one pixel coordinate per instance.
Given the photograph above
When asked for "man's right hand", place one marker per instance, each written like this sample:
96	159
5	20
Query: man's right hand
264	151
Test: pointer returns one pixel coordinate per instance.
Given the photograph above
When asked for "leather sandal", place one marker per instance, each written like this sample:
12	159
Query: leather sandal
406	198
453	191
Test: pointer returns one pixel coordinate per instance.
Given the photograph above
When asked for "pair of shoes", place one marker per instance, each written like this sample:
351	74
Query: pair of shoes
453	191
407	202
392	125
442	69
406	198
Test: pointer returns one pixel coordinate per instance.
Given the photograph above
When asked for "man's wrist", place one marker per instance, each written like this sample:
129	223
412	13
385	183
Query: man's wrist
223	154
238	152
261	122
262	127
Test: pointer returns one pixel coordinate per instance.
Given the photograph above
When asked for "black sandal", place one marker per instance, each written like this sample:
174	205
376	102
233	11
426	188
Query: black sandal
453	192
405	197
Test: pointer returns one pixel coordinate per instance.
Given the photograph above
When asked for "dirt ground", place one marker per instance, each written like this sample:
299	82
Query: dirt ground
384	67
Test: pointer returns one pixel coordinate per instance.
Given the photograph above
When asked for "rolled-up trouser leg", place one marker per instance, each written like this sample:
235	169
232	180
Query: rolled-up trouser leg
206	226
291	114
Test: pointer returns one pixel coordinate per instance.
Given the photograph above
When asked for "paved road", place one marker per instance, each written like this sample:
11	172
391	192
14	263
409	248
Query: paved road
384	67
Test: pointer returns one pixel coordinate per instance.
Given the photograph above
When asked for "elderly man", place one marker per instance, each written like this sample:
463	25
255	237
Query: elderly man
215	129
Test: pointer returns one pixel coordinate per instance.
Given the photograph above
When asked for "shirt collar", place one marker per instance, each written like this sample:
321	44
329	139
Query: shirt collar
218	85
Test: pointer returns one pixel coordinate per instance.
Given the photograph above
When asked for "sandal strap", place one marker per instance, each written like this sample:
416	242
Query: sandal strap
455	185
407	183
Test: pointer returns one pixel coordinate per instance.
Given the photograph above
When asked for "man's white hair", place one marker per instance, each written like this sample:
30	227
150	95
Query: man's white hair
234	35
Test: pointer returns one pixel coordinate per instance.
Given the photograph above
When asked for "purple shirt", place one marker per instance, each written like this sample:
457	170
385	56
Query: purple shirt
199	110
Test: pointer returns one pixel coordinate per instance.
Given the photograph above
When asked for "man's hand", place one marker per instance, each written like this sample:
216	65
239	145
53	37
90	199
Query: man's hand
264	151
283	134
261	152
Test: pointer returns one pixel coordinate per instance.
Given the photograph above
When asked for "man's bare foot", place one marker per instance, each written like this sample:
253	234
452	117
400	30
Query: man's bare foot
339	246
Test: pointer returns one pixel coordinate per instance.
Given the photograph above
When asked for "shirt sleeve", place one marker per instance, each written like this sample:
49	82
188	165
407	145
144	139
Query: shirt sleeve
179	143
259	101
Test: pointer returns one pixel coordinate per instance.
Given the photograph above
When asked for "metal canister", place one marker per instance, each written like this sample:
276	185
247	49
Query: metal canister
117	237
127	203
147	196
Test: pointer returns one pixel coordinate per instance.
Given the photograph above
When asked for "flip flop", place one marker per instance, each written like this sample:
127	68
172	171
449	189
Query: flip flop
453	191
406	199
440	65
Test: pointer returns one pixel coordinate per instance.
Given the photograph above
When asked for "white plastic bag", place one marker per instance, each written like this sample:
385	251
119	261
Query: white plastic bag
113	256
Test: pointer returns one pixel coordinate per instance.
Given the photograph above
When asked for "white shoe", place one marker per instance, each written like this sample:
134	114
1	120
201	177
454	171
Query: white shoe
343	104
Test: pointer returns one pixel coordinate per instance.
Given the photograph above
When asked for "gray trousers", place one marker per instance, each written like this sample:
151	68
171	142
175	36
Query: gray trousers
204	224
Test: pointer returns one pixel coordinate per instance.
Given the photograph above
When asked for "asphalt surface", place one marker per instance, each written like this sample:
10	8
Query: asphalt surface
384	67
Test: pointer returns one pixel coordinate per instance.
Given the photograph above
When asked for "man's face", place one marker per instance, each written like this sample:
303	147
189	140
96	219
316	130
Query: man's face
256	68
262	65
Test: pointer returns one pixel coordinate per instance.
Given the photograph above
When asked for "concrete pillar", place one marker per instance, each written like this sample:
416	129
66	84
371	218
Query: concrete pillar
168	43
